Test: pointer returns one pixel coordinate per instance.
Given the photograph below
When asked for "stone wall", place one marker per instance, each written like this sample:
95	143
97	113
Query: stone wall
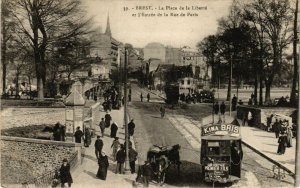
24	159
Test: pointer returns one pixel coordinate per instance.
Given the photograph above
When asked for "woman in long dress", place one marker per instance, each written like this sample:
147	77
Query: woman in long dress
289	136
87	137
103	165
113	130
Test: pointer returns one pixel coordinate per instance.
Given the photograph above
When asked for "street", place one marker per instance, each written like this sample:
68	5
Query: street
152	129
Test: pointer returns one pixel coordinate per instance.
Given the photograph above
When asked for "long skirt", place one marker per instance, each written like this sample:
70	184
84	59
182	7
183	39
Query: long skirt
102	173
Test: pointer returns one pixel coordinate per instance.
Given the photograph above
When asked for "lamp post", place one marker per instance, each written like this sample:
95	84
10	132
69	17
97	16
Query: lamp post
127	167
230	105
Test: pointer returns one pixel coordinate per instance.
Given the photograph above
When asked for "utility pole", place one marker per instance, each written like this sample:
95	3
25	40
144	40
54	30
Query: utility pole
297	165
127	167
230	105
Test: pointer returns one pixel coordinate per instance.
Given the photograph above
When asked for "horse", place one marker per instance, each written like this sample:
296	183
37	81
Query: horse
174	157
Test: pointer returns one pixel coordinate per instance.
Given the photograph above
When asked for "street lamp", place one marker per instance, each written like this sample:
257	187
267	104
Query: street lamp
230	105
127	167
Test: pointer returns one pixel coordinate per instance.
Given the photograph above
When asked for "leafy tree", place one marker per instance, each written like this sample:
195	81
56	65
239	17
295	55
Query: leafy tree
45	22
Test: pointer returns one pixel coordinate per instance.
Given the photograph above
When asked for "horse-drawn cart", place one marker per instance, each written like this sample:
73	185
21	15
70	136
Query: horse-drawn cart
160	158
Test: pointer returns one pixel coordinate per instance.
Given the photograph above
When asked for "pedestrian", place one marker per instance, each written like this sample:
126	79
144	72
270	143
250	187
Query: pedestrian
95	97
120	157
113	130
141	97
146	173
109	105
65	175
103	165
115	145
129	97
245	118
102	126
87	137
289	136
236	159
148	97
132	158
282	143
107	120
57	132
276	127
241	102
131	127
162	111
234	102
78	135
216	108
98	146
222	109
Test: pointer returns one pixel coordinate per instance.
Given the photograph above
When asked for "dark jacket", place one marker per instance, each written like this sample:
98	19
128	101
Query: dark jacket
131	127
98	145
78	135
120	157
222	108
132	155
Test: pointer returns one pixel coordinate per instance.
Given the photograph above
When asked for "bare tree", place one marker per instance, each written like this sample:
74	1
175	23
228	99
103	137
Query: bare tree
47	21
272	20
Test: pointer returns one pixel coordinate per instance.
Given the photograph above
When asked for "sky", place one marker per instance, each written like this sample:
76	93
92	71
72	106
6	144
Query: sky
176	31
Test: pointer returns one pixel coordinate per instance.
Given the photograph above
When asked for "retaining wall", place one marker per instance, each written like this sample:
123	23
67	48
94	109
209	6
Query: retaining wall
24	159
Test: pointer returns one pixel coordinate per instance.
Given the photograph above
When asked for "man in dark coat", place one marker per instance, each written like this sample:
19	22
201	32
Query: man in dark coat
222	108
65	175
113	130
146	173
107	120
98	146
148	97
234	102
132	158
216	108
141	97
276	128
78	135
131	127
103	165
120	157
236	159
282	143
57	132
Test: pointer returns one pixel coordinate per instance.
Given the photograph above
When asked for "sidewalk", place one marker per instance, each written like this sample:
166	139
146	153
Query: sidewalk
85	174
262	142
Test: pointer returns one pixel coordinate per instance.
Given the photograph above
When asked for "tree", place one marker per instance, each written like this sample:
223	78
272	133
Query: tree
47	21
7	30
295	74
272	20
209	49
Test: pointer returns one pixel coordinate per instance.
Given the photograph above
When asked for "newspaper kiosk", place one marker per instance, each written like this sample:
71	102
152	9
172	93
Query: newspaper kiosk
221	153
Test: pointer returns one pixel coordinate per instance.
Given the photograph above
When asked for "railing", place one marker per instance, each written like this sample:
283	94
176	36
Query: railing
47	178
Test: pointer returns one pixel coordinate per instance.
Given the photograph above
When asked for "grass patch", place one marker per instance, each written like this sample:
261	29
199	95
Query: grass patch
30	131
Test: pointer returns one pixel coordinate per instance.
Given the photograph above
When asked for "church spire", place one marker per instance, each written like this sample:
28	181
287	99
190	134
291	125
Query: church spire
108	31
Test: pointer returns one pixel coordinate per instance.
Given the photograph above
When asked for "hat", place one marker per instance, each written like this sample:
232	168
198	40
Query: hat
65	160
103	153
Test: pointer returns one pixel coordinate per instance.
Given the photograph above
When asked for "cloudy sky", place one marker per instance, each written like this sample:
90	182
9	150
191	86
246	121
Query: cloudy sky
175	31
